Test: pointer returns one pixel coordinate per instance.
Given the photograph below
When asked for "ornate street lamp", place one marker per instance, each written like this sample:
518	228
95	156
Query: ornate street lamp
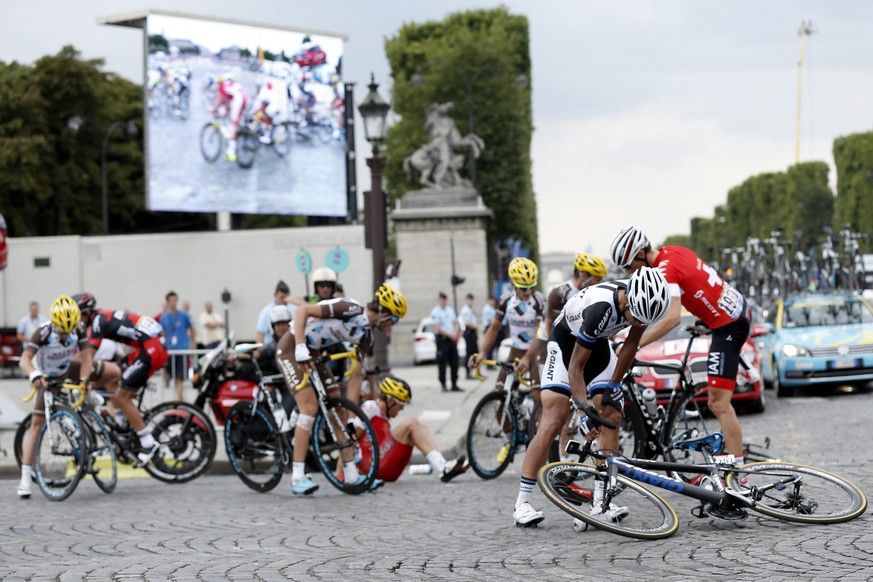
374	110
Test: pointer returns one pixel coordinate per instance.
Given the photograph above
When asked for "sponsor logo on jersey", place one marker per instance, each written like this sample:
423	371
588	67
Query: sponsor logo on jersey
124	331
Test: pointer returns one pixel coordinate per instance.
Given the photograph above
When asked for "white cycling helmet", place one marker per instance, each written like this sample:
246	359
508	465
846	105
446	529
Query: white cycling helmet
647	295
627	243
324	275
280	314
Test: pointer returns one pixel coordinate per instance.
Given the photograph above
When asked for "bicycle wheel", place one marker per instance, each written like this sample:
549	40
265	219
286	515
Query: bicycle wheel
798	493
254	446
59	455
187	442
22	433
281	136
211	141
102	464
339	431
247	145
687	419
648	515
491	436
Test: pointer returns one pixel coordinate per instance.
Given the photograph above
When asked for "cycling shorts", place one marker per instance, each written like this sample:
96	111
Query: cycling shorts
145	360
724	353
393	455
598	370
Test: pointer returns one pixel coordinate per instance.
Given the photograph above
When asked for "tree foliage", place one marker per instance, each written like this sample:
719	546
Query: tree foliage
799	202
50	179
853	155
479	54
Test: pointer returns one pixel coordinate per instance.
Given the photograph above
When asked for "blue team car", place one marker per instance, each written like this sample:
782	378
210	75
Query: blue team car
817	339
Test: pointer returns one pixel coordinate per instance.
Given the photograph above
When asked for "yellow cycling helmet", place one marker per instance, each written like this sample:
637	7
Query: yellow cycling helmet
391	300
590	264
523	273
65	314
396	388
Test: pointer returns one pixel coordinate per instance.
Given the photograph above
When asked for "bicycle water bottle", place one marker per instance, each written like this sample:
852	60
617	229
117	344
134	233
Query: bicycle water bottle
280	417
650	400
527	406
295	414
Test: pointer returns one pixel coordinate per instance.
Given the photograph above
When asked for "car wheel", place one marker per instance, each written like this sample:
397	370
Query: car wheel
781	390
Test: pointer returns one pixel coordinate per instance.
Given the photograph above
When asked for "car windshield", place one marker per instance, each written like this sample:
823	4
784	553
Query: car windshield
834	312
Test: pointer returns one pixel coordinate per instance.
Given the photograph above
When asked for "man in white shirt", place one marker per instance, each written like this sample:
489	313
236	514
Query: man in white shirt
211	326
28	324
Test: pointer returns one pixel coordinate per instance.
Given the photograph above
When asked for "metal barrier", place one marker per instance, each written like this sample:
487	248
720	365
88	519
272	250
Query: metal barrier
161	386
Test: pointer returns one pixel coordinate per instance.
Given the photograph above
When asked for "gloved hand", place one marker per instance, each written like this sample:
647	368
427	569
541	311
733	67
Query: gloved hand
301	353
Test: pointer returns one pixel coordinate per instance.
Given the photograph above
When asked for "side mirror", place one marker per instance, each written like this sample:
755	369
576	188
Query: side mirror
759	329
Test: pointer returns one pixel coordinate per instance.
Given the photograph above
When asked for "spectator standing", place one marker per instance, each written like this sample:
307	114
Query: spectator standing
447	332
211	326
487	315
471	330
180	336
28	324
281	296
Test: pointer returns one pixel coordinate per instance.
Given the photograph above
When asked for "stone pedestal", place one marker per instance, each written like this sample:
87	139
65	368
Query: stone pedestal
428	223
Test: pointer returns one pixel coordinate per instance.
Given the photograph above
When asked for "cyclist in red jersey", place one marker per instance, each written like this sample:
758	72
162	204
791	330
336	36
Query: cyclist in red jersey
396	444
146	337
698	287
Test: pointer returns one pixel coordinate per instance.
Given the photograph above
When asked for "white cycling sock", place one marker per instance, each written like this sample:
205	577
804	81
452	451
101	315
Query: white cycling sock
436	460
146	440
525	491
26	473
297	471
350	471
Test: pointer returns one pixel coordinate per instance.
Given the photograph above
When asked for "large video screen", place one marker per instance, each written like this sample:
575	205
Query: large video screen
243	119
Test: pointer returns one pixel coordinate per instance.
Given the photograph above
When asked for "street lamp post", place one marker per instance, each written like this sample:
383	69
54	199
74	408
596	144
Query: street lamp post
131	131
469	82
374	111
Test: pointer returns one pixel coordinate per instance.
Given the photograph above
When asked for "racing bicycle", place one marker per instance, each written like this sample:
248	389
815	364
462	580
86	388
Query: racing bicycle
631	507
259	435
501	423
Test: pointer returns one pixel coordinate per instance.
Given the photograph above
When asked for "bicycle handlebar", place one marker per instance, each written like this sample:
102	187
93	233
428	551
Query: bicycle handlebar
588	409
352	355
508	366
66	386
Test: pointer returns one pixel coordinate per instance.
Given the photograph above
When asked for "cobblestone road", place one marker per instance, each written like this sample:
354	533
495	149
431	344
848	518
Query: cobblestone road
421	529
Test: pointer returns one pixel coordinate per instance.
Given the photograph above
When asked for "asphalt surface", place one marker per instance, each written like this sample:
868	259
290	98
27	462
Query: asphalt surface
421	529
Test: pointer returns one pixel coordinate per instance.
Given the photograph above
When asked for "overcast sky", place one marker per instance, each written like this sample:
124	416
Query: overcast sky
644	111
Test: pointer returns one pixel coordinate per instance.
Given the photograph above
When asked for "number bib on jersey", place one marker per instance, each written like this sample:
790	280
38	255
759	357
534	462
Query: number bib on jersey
148	326
731	302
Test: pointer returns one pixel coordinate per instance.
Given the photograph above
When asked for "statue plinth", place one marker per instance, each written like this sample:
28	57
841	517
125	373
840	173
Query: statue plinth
429	203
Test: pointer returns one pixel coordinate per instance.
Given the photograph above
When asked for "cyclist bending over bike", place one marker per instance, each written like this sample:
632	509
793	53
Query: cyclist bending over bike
524	307
146	337
231	95
395	444
580	356
317	327
697	286
52	353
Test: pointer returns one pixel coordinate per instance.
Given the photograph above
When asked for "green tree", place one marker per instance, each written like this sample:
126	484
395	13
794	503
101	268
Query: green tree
853	155
50	182
480	53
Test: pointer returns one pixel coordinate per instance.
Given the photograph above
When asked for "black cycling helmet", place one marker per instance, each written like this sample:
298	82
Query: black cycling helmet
85	301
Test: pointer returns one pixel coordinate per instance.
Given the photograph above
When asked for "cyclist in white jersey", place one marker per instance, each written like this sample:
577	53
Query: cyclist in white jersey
523	307
582	364
320	326
49	353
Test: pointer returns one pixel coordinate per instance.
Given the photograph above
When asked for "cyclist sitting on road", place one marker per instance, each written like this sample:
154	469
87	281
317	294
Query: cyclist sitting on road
232	95
580	357
321	326
51	352
524	308
587	270
697	286
146	337
395	444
